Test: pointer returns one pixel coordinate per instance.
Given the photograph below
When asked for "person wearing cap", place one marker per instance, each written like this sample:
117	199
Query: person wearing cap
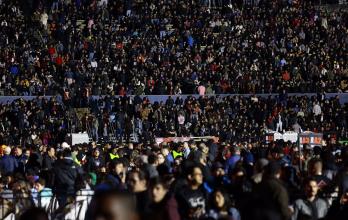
8	163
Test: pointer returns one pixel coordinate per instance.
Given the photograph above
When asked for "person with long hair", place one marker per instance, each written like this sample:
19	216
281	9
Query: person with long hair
221	207
164	204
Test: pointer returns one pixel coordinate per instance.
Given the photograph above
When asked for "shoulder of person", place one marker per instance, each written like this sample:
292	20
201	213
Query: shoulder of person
323	202
299	203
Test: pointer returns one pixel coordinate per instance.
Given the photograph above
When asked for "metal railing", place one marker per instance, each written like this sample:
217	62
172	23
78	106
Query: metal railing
14	204
343	97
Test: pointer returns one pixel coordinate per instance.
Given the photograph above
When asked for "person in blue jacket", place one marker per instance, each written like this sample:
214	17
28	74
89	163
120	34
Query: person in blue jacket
8	163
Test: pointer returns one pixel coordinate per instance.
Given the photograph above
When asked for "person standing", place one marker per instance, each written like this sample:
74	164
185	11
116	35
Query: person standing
8	163
65	175
192	199
164	205
311	206
272	191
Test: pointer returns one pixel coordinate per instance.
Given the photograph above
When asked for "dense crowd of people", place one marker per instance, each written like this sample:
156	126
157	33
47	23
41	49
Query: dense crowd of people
89	47
89	56
231	118
220	178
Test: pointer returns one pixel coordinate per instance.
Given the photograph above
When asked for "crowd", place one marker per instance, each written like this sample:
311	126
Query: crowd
99	47
43	121
220	178
76	51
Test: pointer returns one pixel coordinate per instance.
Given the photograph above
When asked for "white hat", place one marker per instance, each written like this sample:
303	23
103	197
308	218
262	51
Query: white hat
7	150
65	145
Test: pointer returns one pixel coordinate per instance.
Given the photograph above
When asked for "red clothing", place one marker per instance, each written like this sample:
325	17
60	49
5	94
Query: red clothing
59	60
119	45
151	83
51	51
166	209
286	76
122	92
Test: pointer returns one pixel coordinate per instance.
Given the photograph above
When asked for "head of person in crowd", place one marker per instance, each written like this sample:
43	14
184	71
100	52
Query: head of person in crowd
272	170
311	188
220	200
112	205
51	152
260	166
218	170
315	167
137	181
194	176
40	184
159	188
116	167
160	158
34	213
96	153
7	151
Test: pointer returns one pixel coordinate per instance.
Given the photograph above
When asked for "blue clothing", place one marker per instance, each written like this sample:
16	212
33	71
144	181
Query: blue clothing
187	152
43	197
190	41
231	162
170	158
249	158
14	70
8	164
114	181
232	212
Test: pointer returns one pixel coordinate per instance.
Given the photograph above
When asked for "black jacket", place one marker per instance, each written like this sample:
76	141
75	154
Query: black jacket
273	191
48	162
65	175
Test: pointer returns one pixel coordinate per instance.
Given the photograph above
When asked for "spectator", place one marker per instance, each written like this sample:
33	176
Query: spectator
192	199
65	175
8	163
42	195
272	190
116	178
112	205
232	161
95	162
164	205
35	214
316	172
310	207
222	207
138	183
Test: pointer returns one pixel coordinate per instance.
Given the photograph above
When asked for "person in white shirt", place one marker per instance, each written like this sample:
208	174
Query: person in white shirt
279	124
316	109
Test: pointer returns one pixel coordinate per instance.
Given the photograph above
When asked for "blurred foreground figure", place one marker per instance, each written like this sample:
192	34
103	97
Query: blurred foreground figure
112	205
34	214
